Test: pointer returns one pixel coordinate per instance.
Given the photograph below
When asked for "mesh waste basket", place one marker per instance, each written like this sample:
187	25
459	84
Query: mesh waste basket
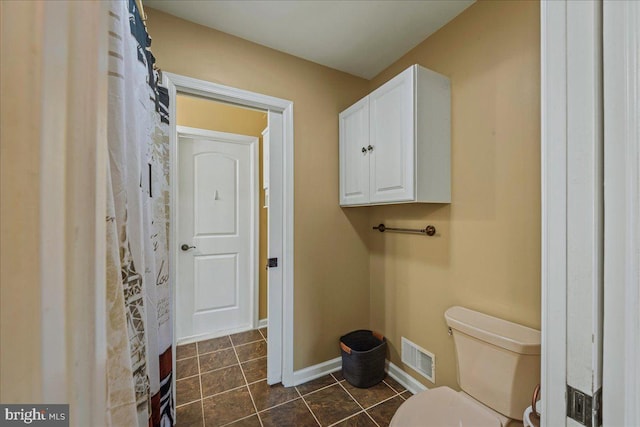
363	355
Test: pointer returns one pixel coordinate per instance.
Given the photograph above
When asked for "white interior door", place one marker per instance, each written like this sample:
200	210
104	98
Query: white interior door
217	207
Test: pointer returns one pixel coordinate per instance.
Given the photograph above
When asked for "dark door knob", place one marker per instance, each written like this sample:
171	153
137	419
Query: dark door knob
186	247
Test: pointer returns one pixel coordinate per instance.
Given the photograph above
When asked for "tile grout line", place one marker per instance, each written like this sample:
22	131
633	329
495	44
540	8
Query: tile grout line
279	404
308	407
185	357
200	381
346	418
315	391
213	351
186	378
246	384
382	401
240	419
188	403
224	391
221	368
393	388
358	403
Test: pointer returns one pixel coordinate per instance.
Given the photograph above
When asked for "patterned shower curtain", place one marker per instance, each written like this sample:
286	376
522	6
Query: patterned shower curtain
139	307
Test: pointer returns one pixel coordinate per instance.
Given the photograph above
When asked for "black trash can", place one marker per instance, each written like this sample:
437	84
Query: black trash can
363	355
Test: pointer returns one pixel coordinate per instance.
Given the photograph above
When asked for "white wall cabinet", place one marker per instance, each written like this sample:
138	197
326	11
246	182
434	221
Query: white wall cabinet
395	144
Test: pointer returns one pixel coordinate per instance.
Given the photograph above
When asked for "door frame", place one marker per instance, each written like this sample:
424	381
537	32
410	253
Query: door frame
280	360
233	138
621	151
621	373
553	150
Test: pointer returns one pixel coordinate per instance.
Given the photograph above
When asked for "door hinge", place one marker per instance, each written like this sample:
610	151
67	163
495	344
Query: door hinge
585	409
272	262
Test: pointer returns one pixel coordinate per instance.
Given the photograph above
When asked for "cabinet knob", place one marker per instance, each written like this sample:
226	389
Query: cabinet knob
370	148
364	150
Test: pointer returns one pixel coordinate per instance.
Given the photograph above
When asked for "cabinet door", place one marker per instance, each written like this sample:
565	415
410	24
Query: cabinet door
354	157
392	137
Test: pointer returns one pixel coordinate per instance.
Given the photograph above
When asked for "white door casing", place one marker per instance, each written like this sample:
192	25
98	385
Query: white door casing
275	279
621	358
280	227
572	215
217	199
553	46
584	197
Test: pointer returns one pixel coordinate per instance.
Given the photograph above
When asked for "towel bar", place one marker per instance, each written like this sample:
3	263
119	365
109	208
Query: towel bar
429	230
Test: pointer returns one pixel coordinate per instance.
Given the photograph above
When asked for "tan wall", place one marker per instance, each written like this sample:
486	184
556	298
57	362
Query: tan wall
206	114
20	290
331	268
487	254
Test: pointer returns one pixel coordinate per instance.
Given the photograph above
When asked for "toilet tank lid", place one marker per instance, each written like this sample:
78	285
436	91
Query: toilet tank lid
502	333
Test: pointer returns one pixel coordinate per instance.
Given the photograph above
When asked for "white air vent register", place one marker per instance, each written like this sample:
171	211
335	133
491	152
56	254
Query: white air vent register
419	359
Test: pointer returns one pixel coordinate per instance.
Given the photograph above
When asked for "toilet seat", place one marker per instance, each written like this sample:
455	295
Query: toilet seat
442	407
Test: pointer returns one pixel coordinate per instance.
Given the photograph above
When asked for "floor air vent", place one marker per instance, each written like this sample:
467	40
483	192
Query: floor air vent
419	359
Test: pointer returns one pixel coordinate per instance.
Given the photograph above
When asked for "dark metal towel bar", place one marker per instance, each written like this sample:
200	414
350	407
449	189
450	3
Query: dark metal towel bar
429	230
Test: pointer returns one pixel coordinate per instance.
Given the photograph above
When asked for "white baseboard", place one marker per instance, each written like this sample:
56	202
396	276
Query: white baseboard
316	371
263	323
321	369
406	380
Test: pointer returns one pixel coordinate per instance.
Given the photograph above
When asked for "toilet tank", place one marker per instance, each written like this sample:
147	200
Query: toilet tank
498	361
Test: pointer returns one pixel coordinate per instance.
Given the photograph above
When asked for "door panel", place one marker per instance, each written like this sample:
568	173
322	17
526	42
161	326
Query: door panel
224	268
392	135
217	211
215	207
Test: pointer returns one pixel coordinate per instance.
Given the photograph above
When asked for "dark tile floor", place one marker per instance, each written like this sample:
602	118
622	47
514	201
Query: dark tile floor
222	382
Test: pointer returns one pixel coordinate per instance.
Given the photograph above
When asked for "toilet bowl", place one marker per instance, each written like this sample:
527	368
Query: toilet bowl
443	406
498	365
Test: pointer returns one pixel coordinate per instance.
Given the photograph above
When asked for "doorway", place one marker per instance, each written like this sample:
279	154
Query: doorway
222	226
280	219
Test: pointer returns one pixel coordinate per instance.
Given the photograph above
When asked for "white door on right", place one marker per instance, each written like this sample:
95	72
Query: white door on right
217	199
392	140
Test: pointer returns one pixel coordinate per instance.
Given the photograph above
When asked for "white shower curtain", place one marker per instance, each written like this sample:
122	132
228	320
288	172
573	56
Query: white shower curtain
138	289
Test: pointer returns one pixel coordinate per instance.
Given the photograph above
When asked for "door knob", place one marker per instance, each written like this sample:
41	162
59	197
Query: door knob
370	148
186	247
364	150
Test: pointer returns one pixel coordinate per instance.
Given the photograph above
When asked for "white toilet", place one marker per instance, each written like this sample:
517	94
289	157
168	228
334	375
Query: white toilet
498	368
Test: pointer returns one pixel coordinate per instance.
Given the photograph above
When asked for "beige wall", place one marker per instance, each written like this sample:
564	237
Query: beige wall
331	255
206	114
487	252
20	290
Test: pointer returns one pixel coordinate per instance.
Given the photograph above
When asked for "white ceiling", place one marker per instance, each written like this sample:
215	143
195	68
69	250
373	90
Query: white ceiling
355	36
